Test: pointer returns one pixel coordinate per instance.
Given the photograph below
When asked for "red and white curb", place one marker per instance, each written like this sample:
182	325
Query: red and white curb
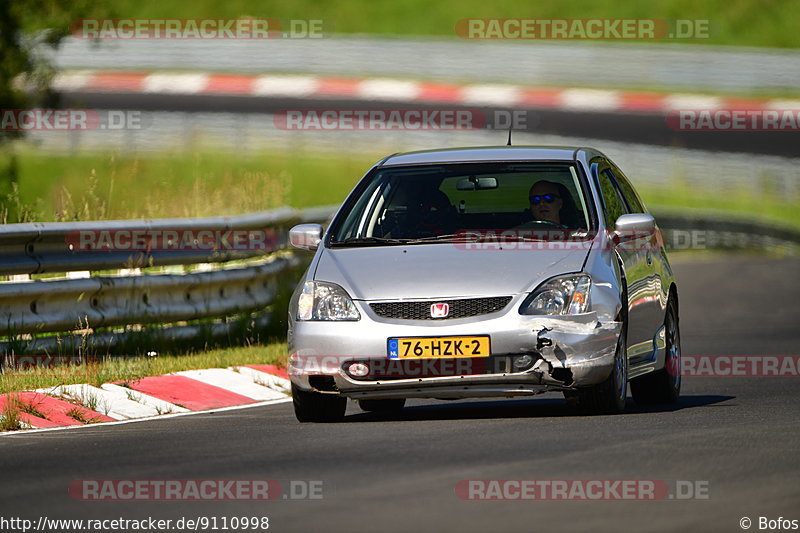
398	90
179	392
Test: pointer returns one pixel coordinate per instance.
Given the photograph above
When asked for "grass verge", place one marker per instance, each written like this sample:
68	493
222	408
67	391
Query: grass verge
131	369
9	415
102	186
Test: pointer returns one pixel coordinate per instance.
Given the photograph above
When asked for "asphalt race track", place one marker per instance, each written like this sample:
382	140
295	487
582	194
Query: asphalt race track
615	126
737	436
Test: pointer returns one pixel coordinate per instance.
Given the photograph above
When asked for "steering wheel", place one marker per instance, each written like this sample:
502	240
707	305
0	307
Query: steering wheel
534	224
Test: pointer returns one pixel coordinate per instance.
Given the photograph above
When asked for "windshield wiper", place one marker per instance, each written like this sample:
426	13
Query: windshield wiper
367	241
461	236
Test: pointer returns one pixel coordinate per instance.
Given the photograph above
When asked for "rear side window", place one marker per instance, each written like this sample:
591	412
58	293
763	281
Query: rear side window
634	202
613	202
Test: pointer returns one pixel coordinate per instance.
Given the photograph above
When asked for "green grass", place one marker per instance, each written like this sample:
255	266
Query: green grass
110	186
768	208
773	23
9	415
131	369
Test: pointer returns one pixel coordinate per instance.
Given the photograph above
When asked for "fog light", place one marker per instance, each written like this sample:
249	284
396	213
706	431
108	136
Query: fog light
358	370
523	361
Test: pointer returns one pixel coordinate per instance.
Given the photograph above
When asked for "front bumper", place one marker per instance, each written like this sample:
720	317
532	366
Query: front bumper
566	352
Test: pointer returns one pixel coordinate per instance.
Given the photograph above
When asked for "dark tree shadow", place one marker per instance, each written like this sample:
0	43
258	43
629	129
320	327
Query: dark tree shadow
526	408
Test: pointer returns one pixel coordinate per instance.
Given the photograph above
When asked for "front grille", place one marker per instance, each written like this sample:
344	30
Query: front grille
458	308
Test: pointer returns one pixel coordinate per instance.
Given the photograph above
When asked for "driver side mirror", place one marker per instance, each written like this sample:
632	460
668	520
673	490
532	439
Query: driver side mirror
635	226
306	236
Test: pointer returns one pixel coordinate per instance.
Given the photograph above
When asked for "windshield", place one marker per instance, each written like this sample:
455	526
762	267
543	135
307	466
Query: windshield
420	204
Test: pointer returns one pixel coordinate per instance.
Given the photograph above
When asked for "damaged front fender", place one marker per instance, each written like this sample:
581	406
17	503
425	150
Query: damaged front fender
579	349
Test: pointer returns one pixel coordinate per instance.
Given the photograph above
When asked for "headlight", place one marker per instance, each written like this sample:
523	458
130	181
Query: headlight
321	300
563	295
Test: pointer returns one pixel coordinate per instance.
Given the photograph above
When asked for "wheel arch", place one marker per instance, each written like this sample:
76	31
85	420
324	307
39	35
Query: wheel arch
672	294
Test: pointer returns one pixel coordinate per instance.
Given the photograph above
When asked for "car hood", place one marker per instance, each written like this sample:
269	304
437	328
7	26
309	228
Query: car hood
441	270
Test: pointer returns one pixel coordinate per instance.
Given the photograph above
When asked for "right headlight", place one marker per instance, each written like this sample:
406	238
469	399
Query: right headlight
562	295
321	300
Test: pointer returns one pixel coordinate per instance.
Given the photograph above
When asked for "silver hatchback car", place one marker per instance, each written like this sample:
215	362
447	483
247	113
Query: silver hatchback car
485	272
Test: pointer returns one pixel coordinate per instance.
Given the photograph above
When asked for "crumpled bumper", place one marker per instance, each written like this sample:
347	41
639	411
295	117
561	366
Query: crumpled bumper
565	352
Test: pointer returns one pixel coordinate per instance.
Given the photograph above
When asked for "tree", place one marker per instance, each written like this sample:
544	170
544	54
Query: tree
26	27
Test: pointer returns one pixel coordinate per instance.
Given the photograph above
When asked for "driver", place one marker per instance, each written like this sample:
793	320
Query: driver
546	201
552	202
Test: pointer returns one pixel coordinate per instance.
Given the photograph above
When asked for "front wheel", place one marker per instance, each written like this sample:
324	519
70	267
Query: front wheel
310	406
611	395
663	386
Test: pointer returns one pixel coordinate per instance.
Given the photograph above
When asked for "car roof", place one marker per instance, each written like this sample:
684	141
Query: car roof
486	153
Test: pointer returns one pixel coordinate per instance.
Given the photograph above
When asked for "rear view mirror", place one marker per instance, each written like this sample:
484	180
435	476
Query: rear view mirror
473	183
305	236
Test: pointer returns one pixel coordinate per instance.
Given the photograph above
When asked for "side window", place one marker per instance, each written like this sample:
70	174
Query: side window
634	202
613	201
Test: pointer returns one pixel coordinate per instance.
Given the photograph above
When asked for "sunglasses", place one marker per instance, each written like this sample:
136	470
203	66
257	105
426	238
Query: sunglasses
548	198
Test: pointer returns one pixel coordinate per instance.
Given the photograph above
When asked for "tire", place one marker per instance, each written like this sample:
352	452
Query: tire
312	406
611	395
663	386
382	405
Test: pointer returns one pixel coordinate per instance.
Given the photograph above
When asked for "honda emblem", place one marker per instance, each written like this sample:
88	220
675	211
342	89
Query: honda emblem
440	310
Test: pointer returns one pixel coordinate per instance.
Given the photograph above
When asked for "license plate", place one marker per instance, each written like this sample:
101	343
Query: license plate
434	347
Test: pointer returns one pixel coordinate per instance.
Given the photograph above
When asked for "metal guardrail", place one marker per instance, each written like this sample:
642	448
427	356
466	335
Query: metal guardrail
37	248
100	301
723	230
64	305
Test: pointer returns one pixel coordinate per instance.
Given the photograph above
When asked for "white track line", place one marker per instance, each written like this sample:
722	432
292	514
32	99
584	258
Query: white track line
175	83
691	101
383	89
72	81
794	105
590	100
506	95
284	86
